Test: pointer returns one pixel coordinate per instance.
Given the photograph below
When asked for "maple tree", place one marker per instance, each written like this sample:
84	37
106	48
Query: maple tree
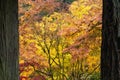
59	39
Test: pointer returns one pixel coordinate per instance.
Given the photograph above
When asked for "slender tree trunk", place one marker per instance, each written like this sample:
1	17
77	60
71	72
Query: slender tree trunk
9	40
110	67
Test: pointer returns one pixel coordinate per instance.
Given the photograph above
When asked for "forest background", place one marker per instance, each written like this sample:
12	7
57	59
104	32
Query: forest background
60	39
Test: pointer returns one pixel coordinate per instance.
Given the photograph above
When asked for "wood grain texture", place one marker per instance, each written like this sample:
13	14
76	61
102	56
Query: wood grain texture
110	67
9	40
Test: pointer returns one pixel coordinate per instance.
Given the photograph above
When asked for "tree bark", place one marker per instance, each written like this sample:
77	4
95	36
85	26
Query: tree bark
110	56
9	40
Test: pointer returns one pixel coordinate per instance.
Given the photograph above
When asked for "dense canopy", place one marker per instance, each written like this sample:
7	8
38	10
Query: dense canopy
60	39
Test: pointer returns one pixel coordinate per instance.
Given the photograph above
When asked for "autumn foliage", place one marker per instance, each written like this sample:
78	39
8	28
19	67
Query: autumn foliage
59	39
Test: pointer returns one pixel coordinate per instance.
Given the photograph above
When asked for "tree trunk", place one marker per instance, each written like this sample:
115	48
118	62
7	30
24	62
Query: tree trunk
110	67
9	40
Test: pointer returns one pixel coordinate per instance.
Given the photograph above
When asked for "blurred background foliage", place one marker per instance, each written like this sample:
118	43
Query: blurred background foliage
60	39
